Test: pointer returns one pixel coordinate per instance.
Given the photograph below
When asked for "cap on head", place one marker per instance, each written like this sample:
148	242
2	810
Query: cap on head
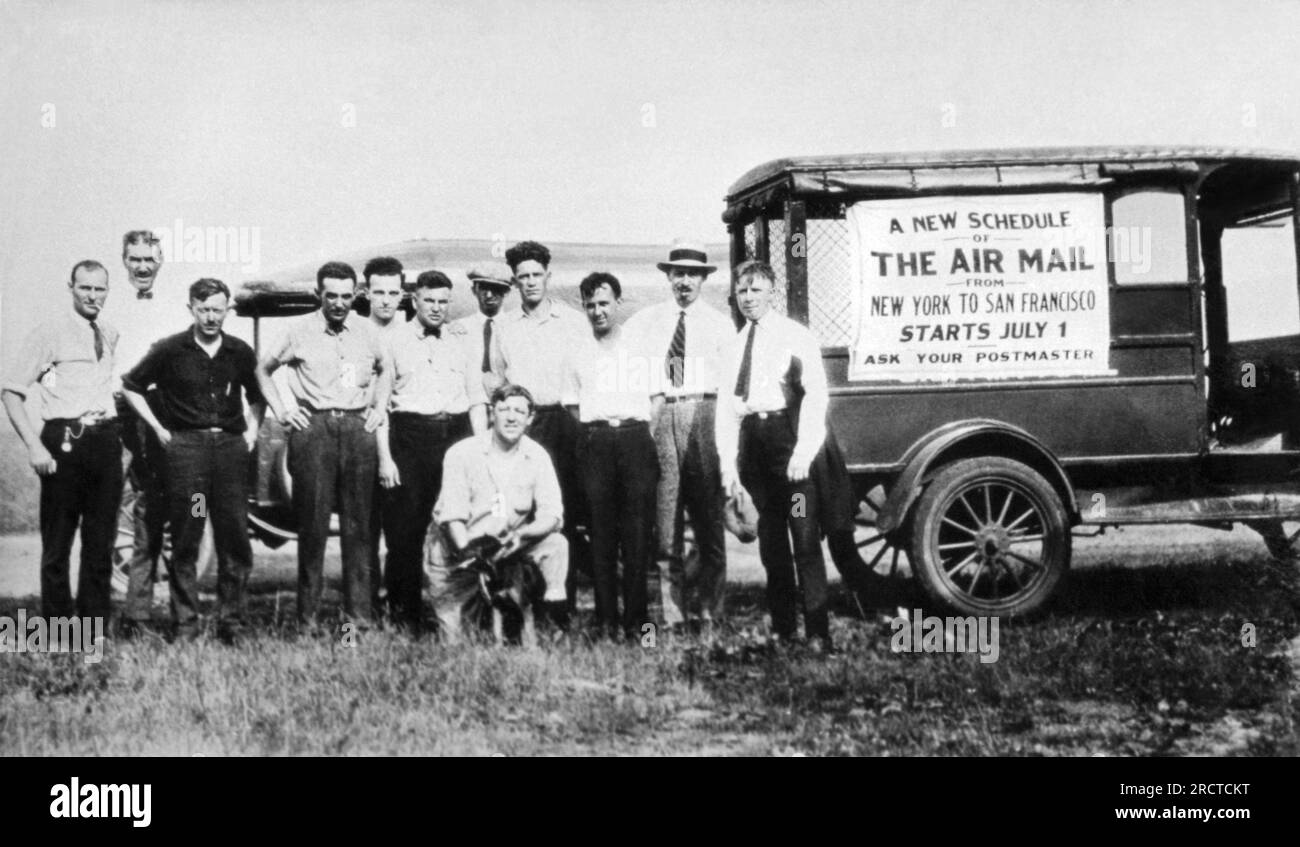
491	273
688	255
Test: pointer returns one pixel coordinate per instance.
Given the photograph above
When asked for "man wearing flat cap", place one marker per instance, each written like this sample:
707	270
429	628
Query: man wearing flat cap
688	337
491	283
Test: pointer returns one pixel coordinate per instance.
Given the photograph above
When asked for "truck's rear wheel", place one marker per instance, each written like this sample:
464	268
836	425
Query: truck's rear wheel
990	537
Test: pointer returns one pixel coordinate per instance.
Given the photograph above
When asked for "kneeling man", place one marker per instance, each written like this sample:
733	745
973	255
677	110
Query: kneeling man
501	484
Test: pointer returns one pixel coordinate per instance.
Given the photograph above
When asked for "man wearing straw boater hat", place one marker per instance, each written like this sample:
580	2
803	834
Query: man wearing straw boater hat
690	336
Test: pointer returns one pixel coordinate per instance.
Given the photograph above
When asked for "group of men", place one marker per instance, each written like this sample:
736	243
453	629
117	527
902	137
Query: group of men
584	444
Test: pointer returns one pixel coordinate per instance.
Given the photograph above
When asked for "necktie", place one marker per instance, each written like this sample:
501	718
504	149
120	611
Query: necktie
487	345
435	331
144	295
746	363
99	341
675	367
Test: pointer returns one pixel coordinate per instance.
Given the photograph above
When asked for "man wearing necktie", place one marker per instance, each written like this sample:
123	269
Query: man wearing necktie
78	451
691	337
770	362
491	283
437	399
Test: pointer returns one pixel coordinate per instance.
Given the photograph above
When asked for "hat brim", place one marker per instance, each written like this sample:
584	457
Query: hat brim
688	265
496	282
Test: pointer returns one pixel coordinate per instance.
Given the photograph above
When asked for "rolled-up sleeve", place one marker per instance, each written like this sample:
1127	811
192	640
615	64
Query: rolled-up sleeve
287	350
30	363
146	372
549	503
248	367
454	498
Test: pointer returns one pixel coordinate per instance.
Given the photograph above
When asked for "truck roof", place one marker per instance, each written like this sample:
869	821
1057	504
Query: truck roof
1003	156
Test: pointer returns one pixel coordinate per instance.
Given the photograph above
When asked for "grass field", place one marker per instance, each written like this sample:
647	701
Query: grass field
1142	655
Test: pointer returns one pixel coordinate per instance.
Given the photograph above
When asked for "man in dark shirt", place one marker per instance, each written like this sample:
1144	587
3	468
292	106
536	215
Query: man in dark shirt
206	432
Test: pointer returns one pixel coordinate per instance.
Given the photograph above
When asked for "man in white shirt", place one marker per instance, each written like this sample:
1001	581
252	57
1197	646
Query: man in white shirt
770	362
149	314
491	282
383	277
437	399
383	288
689	337
67	360
607	387
530	349
500	484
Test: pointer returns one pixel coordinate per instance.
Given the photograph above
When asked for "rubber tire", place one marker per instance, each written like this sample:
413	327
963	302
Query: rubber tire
124	547
941	495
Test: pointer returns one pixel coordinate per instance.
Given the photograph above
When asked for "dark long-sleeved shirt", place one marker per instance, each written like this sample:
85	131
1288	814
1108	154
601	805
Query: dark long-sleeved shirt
195	390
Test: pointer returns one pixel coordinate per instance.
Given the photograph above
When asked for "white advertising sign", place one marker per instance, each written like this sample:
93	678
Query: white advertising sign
980	288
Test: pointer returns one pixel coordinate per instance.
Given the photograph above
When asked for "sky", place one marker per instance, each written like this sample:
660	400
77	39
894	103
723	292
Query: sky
324	127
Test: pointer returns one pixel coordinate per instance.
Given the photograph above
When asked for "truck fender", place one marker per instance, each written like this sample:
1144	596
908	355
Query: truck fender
979	437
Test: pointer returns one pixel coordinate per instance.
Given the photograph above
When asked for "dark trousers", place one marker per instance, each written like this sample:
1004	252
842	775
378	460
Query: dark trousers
555	429
620	471
85	489
208	478
418	444
786	511
146	473
333	463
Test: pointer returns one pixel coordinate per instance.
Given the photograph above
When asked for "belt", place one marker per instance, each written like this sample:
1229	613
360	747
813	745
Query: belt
201	429
689	398
333	413
85	422
762	416
440	417
616	423
550	407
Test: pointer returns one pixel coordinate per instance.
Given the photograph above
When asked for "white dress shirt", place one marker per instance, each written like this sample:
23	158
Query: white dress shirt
609	379
433	375
142	322
708	333
473	326
391	331
531	349
778	342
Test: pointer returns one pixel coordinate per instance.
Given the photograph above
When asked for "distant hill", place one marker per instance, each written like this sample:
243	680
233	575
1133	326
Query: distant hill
568	261
633	264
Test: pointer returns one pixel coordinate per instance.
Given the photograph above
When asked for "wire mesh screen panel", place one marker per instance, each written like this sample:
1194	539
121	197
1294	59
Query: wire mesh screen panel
830	281
776	247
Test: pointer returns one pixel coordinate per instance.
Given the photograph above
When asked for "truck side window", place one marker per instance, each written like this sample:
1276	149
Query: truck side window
1259	274
1148	238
